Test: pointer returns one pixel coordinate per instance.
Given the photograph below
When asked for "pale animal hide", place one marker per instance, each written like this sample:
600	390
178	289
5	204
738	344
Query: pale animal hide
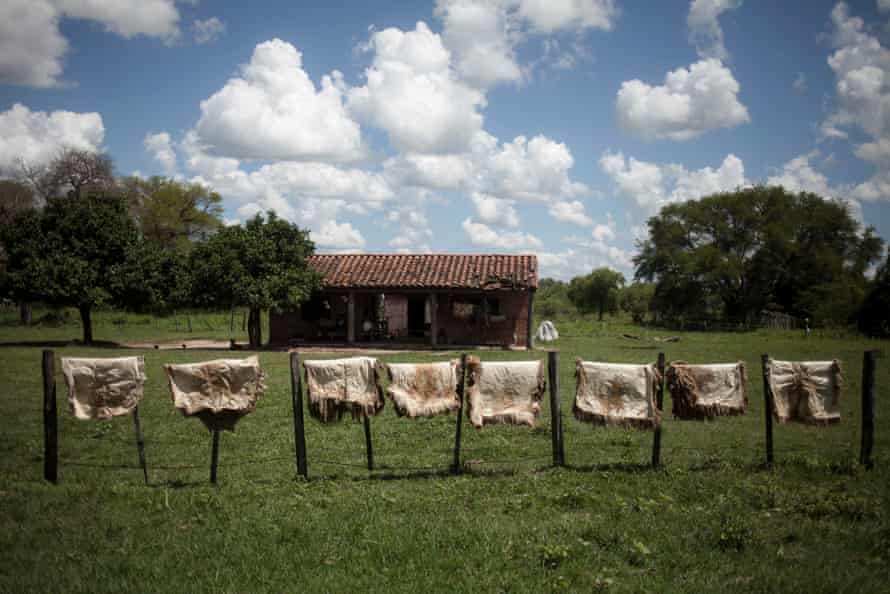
103	388
806	391
218	392
423	389
707	391
547	332
616	394
504	392
339	386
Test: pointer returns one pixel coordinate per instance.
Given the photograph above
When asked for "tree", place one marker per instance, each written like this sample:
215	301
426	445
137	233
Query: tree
551	299
261	265
173	213
73	171
874	316
731	254
70	253
15	198
636	299
598	291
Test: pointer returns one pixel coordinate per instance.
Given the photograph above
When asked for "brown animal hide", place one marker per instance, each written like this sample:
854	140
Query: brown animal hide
806	391
707	391
504	392
339	386
616	394
218	392
423	389
103	388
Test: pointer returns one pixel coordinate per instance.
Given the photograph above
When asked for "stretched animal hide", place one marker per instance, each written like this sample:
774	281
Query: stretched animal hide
806	391
424	389
616	394
707	391
103	388
339	386
218	392
504	392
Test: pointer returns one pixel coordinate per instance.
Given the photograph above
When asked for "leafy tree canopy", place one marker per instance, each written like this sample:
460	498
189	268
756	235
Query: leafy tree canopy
260	265
732	253
598	291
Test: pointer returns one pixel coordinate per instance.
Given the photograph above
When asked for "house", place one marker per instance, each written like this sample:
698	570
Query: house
434	299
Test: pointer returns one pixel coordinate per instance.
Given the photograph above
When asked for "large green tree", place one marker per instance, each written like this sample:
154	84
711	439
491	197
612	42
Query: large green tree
733	253
15	197
636	299
598	291
260	265
70	253
173	213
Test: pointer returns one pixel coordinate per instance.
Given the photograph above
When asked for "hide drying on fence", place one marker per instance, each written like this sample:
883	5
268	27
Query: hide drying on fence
707	391
504	392
616	394
103	388
546	332
218	392
806	391
423	389
339	386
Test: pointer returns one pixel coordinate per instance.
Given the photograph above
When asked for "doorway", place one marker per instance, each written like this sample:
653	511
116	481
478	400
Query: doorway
416	315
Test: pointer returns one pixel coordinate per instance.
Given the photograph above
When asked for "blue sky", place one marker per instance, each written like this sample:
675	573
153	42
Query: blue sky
545	126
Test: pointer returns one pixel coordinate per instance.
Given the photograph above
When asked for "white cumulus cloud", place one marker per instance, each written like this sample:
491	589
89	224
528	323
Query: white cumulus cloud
551	15
570	211
161	149
481	235
690	102
495	211
274	111
208	30
705	31
36	137
339	236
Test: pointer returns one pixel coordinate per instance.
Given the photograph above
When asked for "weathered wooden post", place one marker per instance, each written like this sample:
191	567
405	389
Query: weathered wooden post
214	456
555	414
299	425
768	406
140	443
869	359
50	419
461	382
368	447
659	403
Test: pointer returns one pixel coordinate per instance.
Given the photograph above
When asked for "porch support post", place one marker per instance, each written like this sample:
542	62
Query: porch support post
434	319
350	318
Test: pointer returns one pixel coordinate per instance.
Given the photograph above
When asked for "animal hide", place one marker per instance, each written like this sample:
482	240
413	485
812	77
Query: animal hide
707	391
616	394
218	392
806	391
504	392
339	386
547	332
103	388
424	389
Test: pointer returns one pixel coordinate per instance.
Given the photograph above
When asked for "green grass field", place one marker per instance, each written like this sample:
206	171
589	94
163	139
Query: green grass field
711	520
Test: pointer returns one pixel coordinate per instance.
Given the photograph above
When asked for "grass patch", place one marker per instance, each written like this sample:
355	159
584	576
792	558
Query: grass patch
711	520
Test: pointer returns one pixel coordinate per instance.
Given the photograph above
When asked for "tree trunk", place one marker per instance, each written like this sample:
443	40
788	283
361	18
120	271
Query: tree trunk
602	306
254	329
87	323
25	314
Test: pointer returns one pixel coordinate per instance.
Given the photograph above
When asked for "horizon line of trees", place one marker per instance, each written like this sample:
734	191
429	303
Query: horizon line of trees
72	234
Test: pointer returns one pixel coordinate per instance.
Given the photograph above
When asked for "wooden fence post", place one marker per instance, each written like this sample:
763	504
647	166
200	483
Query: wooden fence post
214	456
299	426
659	403
555	414
768	406
140	443
50	419
368	447
461	383
868	407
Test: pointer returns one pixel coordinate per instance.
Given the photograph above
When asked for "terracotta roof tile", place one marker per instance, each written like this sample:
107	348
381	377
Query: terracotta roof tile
427	271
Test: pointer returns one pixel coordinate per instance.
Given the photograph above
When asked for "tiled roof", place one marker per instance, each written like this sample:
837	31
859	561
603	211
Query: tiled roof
427	271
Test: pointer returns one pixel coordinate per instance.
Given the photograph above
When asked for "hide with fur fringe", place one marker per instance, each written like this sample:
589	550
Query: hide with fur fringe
806	391
339	386
616	394
504	392
707	391
103	388
423	389
218	392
